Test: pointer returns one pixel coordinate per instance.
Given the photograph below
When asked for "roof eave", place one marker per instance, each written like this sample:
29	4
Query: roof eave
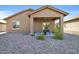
17	13
60	11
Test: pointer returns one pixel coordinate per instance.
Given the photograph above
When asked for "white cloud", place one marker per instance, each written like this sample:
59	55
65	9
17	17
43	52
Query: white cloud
3	21
72	14
4	14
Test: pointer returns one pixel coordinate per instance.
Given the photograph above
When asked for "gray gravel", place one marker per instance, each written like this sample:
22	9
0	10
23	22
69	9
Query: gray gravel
19	43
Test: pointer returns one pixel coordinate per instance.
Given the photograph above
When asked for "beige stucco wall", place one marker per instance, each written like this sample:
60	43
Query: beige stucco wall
72	25
47	13
52	25
38	25
24	23
2	27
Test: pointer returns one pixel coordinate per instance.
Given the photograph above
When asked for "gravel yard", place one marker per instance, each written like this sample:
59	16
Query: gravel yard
19	43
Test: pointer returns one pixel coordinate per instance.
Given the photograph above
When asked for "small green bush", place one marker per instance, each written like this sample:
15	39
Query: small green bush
40	37
57	33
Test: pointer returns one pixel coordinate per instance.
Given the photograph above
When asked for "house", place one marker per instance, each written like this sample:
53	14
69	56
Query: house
31	21
2	26
72	25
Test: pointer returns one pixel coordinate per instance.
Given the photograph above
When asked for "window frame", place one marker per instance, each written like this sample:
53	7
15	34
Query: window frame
13	25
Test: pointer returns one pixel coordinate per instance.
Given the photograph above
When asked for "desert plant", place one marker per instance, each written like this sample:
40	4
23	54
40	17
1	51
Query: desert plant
40	37
57	33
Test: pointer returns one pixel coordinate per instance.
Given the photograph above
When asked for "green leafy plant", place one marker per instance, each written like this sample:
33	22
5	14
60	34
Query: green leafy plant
57	33
40	37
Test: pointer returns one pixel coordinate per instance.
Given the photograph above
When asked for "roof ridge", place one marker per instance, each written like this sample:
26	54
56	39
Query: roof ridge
56	9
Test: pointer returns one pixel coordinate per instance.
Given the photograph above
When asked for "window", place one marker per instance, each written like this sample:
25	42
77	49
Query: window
16	24
46	25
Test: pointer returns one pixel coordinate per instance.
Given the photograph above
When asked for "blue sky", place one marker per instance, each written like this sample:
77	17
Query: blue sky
7	10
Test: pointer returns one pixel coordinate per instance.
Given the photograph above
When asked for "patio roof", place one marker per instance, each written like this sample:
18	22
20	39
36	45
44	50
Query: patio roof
52	8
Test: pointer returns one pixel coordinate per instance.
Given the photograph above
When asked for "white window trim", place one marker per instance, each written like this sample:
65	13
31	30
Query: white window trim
15	28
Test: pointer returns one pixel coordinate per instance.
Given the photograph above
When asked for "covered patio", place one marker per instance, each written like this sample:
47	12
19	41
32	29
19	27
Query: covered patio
43	15
37	24
41	22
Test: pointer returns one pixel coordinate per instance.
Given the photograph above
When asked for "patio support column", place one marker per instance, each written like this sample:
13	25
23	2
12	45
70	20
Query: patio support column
61	24
31	25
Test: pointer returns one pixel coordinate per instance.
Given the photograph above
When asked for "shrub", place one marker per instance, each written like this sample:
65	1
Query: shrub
40	37
57	33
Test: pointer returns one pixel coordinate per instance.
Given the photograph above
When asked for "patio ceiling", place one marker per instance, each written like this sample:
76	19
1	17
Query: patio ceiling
45	18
